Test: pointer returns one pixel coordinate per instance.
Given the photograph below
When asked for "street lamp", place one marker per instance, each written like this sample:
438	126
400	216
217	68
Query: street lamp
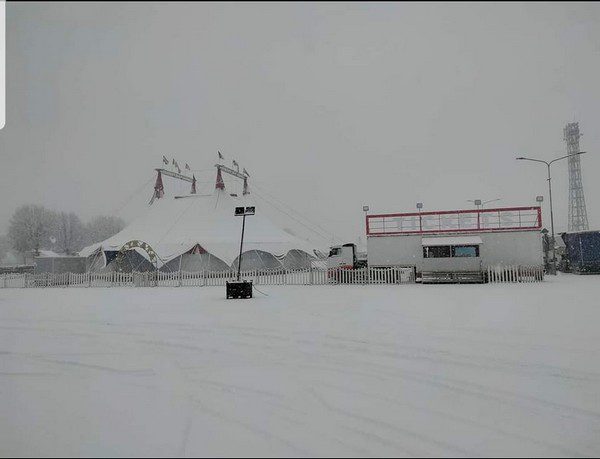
365	210
479	203
240	288
420	206
548	164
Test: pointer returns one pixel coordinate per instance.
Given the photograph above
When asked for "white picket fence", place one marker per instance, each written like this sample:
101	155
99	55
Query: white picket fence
504	274
309	276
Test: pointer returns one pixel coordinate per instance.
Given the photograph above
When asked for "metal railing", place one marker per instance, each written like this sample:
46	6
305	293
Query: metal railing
455	221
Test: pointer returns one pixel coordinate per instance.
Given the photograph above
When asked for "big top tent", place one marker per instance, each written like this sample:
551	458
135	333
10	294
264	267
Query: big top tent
195	232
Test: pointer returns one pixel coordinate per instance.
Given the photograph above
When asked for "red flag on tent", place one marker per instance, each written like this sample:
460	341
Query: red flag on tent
219	185
159	190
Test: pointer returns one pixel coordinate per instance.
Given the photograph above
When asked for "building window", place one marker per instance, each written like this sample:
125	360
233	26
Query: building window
335	251
438	251
465	251
451	251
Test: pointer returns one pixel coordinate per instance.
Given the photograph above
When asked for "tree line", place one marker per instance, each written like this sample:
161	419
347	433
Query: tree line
34	228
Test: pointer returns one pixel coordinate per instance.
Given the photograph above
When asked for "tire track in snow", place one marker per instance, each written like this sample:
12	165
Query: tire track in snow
250	427
297	417
478	391
467	360
428	440
491	428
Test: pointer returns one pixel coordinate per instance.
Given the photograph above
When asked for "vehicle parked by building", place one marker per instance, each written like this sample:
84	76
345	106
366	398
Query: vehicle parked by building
582	252
346	256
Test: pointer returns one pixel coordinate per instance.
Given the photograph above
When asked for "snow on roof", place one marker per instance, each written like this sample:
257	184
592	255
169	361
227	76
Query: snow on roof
455	240
49	254
173	226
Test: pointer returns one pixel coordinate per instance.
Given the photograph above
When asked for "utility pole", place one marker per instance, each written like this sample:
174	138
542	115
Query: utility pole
548	164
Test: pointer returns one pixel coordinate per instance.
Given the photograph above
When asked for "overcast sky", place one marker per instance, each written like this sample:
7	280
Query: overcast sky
328	106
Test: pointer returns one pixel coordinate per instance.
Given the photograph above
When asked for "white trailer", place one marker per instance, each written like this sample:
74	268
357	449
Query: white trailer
461	241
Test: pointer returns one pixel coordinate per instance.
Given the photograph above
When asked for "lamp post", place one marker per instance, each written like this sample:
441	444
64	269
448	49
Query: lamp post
239	288
546	240
479	203
548	164
420	206
366	210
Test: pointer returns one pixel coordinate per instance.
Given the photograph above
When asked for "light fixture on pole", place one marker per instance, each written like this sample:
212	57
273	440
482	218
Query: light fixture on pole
548	164
241	288
420	206
479	203
366	210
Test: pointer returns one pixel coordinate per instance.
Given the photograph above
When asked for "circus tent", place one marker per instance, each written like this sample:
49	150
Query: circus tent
200	232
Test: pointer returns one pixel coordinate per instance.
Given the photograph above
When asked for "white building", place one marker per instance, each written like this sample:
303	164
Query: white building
456	241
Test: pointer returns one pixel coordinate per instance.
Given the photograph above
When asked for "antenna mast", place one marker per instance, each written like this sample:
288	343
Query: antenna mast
578	220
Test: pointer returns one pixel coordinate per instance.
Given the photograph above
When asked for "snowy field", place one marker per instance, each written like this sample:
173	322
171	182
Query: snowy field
404	370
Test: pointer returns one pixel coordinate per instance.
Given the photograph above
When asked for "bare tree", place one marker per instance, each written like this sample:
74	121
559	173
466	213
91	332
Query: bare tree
30	228
68	233
4	247
102	227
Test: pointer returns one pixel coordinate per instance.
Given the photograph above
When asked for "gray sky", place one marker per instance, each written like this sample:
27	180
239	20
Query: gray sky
329	106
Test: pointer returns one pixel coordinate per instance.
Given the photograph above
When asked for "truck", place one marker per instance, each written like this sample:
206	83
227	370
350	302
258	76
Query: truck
582	252
347	265
346	256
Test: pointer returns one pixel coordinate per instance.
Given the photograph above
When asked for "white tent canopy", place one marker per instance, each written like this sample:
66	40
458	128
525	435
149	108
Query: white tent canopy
173	226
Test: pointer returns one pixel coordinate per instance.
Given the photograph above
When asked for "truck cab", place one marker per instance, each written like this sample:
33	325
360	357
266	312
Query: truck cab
345	256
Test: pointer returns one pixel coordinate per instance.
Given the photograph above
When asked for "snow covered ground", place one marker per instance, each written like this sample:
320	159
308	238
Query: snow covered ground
404	370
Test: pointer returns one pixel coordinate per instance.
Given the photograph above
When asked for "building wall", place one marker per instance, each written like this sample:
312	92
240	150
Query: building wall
451	264
58	265
506	248
18	269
